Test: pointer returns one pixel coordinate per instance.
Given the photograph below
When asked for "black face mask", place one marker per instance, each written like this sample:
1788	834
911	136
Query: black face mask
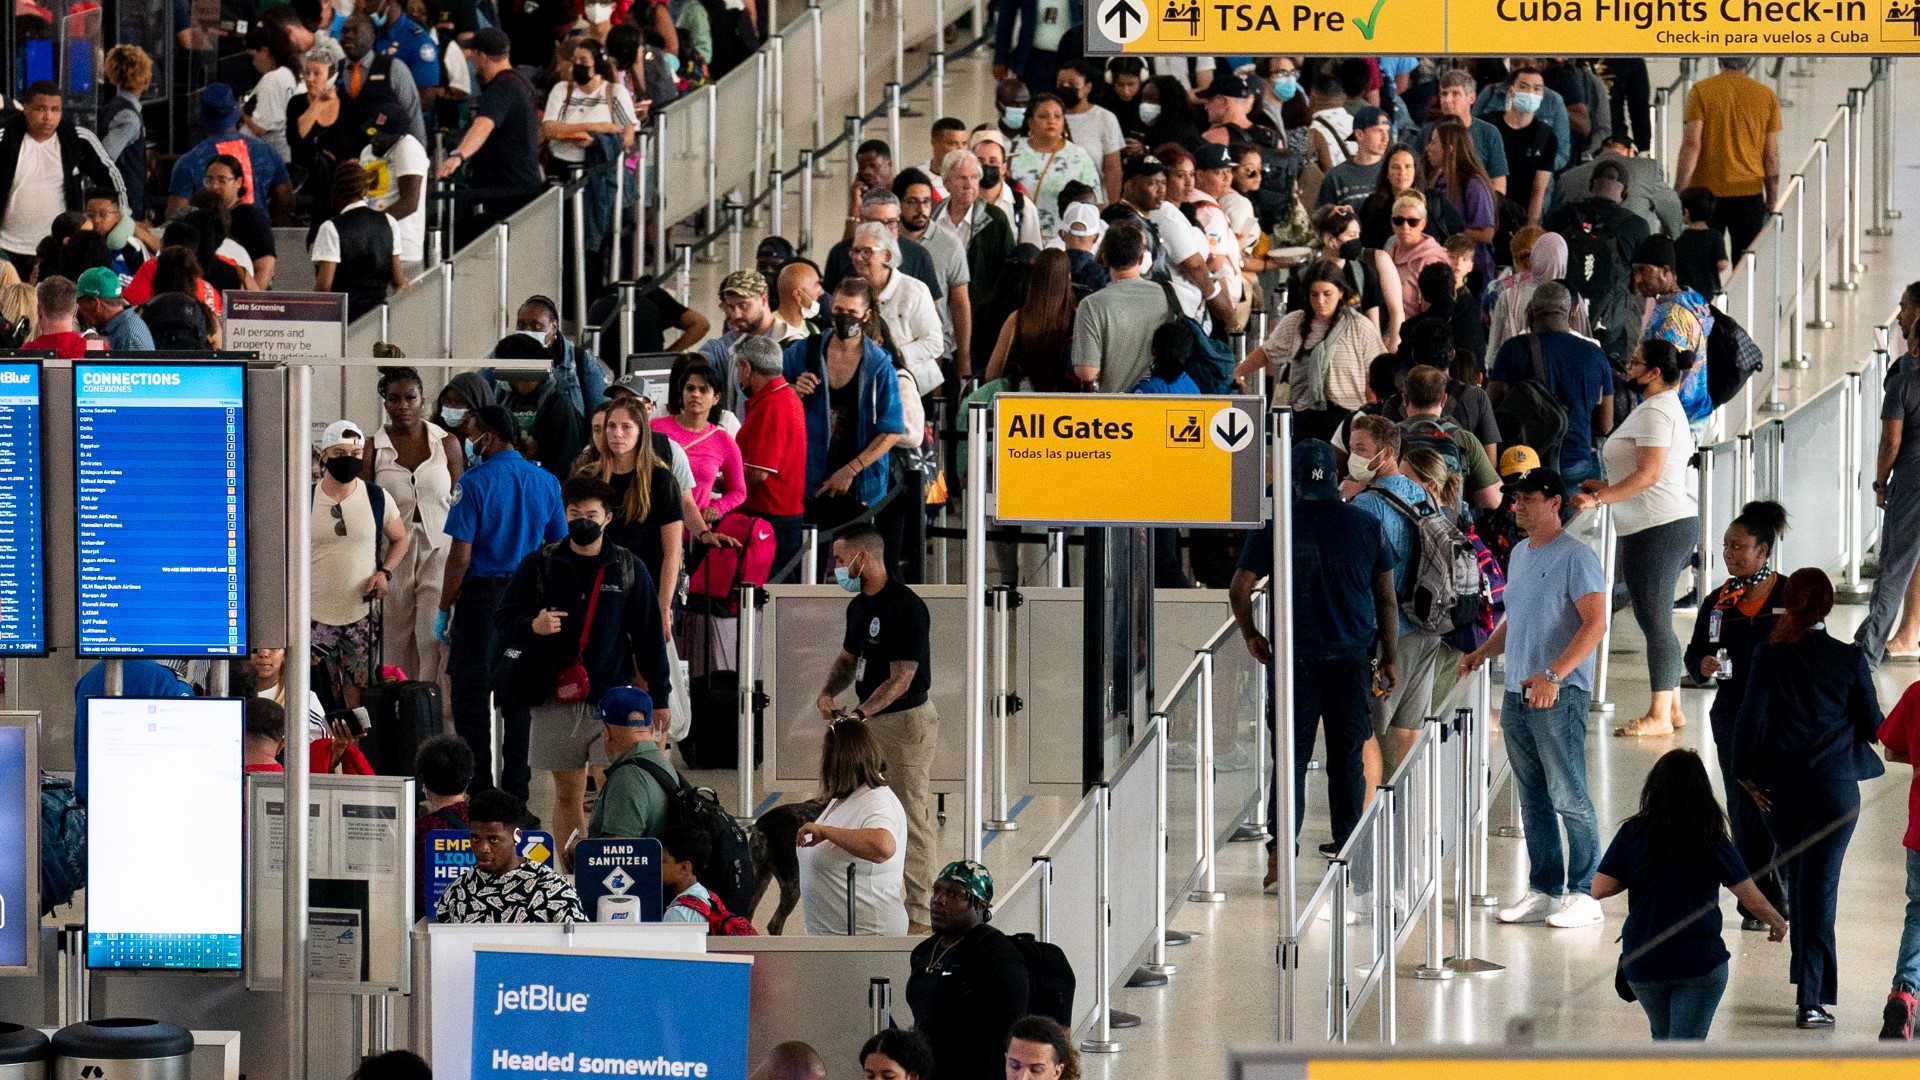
1069	96
583	531
846	327
1351	250
582	72
343	469
989	176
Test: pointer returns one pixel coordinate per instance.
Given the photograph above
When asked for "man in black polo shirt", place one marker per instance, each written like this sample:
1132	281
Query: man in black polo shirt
501	146
1343	600
885	659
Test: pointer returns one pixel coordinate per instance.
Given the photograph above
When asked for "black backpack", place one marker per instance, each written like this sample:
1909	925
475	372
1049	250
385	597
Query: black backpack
176	321
729	872
1732	357
1531	414
1050	979
1598	273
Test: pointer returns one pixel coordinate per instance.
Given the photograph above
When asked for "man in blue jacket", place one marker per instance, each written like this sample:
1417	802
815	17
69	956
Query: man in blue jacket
851	398
580	597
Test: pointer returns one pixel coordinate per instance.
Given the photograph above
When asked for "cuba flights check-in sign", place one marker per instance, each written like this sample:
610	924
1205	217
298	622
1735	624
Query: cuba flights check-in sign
1502	27
1129	459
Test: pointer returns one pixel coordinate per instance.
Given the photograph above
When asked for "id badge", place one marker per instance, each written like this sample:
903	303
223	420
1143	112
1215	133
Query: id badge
860	668
1713	625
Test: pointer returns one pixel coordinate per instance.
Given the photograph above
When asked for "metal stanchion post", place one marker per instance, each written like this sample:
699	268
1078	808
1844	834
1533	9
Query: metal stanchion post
1777	452
1100	1040
1157	965
1657	135
899	53
859	68
736	224
1385	865
1463	962
683	272
810	560
1056	558
1435	968
747	652
614	254
763	115
1483	894
660	183
1046	897
1850	196
1337	954
1254	828
293	912
1001	821
777	202
577	210
1608	567
1209	890
502	304
1851	589
1882	148
979	414
1884	143
629	296
893	114
1703	557
1287	949
1743	467
939	60
879	1002
1773	404
805	242
1796	325
852	139
1820	275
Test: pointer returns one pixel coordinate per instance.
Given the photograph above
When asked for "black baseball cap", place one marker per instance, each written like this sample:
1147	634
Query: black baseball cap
1544	481
490	41
1144	165
1227	85
1212	156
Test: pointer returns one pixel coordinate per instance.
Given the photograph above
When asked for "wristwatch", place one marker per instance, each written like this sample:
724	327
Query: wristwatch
1552	676
856	713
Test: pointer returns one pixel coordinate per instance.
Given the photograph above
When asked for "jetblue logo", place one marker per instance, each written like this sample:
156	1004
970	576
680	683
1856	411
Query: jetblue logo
537	998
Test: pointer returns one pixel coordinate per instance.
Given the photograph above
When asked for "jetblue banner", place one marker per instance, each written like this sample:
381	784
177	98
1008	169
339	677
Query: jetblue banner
575	1013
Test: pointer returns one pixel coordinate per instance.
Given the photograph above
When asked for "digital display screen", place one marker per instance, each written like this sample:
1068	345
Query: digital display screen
160	464
164	833
23	606
17	915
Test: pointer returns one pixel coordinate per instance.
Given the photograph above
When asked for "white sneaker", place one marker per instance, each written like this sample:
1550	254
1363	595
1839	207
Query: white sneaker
1578	910
1533	907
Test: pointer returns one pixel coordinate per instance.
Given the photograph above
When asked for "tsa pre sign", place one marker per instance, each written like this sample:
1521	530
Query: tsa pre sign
1129	459
540	1014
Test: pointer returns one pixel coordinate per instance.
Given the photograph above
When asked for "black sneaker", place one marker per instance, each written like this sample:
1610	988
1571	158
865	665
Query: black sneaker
1815	1017
1752	925
1330	849
1896	1020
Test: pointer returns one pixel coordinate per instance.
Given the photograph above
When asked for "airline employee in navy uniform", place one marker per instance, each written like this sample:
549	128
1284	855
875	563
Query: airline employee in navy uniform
504	507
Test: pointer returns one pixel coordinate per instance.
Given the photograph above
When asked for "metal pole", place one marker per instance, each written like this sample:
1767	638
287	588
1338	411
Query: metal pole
859	68
1157	955
1885	143
1852	414
1463	962
852	132
578	206
748	654
736	221
1056	558
810	561
1435	967
1743	466
1386	865
1850	184
879	1001
939	60
1100	1040
1773	404
1703	560
503	314
1882	141
899	52
660	209
380	1016
683	272
614	254
1337	953
805	242
1796	324
1778	451
710	209
1820	278
1254	828
641	176
820	76
1608	567
1209	890
777	203
893	114
629	296
978	423
293	912
1001	821
762	95
1046	897
116	673
1483	894
1657	136
1287	949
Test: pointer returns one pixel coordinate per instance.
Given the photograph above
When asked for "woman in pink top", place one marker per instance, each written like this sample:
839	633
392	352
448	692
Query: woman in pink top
693	392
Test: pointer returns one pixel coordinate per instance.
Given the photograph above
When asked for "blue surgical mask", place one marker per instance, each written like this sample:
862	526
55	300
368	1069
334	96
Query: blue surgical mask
473	454
453	416
1528	103
845	580
379	18
1149	112
1285	86
1014	116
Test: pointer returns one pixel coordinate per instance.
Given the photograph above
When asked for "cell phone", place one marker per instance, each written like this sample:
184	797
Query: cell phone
351	717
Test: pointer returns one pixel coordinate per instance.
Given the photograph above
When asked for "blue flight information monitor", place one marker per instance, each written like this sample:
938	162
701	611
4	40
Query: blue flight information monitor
23	607
160	464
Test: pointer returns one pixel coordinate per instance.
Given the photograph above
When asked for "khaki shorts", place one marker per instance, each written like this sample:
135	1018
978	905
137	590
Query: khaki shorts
565	738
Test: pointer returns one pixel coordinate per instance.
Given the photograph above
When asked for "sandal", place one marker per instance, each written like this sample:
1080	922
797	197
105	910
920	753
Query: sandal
1641	728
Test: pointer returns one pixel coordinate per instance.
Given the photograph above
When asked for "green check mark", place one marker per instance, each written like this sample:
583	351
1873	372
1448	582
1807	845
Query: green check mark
1372	20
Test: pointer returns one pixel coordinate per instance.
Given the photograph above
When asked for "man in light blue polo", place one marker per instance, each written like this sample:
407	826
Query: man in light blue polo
503	508
101	307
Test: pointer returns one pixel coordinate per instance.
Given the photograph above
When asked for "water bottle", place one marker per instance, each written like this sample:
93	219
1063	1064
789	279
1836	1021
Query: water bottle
1726	665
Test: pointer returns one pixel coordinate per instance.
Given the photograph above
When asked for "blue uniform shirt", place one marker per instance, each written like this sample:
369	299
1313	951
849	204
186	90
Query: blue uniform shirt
143	679
506	506
411	44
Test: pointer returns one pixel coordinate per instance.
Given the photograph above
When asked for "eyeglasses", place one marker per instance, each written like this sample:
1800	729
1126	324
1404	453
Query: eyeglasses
339	521
916	202
1409	222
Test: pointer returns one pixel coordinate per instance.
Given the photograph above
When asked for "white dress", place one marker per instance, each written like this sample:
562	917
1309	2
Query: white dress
423	496
879	889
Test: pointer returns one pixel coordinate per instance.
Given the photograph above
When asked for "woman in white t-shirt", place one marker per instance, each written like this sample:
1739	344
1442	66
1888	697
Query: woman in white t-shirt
1656	515
279	64
589	103
862	833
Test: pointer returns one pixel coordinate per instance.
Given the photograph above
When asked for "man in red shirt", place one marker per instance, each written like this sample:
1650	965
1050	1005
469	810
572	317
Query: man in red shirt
773	445
58	298
266	740
1900	734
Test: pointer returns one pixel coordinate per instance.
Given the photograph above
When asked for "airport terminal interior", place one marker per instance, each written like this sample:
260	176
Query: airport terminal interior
1110	771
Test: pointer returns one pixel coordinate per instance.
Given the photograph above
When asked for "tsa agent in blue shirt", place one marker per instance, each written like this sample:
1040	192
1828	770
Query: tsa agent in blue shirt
408	42
503	508
142	679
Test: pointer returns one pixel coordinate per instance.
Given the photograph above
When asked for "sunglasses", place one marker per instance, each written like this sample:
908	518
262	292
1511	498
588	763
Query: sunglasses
1410	222
339	520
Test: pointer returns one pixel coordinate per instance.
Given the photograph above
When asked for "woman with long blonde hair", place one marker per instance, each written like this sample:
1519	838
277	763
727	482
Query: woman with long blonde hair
646	517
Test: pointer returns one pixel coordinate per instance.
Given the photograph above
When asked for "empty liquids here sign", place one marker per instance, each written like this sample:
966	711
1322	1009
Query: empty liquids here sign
1129	459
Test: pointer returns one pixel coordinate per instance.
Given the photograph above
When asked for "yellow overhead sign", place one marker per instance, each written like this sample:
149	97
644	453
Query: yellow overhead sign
1503	27
1129	459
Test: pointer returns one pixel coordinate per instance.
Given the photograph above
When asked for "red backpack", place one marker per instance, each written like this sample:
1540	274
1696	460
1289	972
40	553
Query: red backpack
724	569
720	922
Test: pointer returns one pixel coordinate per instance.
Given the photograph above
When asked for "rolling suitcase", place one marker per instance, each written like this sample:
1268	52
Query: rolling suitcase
401	713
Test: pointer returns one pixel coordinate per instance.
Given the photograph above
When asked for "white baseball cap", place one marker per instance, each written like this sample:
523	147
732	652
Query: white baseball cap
342	433
1082	219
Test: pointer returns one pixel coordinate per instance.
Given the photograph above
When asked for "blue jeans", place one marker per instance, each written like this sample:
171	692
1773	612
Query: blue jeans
1906	966
1548	749
1682	1008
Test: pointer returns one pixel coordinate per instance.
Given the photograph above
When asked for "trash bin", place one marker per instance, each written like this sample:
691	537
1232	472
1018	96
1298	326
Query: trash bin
124	1049
23	1053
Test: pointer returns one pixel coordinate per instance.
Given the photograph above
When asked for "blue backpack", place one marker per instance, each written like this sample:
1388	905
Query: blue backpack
1211	365
63	842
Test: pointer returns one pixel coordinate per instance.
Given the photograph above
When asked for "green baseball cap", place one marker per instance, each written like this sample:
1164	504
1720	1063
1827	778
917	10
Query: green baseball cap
98	283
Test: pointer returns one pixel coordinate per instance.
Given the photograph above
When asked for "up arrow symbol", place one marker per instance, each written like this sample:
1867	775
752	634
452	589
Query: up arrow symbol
1117	17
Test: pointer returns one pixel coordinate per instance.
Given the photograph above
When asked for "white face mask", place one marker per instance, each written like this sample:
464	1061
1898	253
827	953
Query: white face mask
1361	470
599	13
1149	111
812	310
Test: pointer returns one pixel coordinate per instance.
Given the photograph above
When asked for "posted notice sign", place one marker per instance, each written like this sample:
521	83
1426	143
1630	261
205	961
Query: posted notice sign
1502	27
1130	459
289	325
603	868
575	1013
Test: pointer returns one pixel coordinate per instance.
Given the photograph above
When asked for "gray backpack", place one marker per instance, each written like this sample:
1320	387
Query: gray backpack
1443	593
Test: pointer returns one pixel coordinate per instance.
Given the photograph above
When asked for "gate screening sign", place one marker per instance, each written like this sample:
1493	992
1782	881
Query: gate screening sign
1129	459
1503	27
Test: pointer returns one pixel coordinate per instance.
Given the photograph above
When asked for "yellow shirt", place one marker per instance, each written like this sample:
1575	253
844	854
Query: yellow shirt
1737	114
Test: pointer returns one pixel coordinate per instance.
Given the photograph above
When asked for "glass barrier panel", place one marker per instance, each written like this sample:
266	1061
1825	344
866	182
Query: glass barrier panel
839	35
1183	791
415	318
1076	907
796	81
736	151
1726	495
476	298
1239	682
683	183
1133	838
535	238
1870	400
1813	434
